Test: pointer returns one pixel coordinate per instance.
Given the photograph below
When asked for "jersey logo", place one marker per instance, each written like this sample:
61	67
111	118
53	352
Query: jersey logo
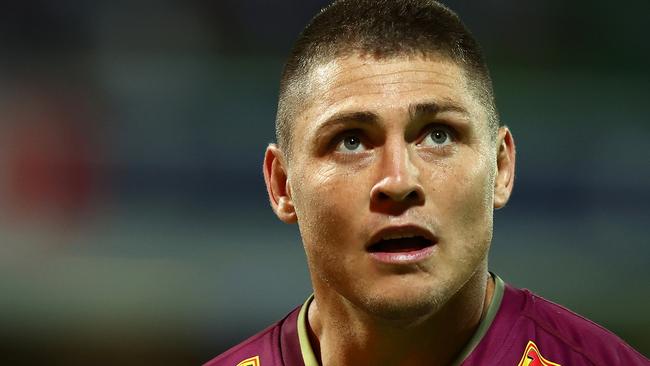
252	361
532	357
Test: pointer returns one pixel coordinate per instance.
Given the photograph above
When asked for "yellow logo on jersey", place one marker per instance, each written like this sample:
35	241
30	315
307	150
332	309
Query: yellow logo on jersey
532	357
252	361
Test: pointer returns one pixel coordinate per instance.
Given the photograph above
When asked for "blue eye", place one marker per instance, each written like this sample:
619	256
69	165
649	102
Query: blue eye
438	136
350	143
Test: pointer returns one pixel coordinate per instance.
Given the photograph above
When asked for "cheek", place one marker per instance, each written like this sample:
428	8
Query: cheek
327	205
319	200
464	196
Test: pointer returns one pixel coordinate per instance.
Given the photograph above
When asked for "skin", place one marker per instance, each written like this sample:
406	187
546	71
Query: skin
376	166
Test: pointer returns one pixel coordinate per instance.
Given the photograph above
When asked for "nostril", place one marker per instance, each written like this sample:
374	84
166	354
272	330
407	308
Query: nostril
383	196
394	202
412	196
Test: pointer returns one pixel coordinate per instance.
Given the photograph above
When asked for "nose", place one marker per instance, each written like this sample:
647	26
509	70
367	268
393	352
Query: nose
398	186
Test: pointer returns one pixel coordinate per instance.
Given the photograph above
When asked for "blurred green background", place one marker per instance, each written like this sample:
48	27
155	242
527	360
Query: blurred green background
134	223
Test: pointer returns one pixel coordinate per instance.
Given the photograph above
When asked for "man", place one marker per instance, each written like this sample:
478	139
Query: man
391	159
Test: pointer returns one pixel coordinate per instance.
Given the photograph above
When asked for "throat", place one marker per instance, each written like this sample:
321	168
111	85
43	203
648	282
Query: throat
345	337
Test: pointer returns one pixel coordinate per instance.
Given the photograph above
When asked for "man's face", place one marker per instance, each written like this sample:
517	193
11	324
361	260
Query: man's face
392	179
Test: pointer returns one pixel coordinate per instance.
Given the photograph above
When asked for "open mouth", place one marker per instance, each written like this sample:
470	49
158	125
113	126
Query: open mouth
400	245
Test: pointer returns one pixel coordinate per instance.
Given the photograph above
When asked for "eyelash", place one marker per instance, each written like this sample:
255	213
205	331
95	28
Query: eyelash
451	132
339	137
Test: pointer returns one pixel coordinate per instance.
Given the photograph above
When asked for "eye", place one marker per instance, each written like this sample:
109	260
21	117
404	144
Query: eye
350	143
437	136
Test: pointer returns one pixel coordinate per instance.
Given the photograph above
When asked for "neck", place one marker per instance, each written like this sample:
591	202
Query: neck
343	335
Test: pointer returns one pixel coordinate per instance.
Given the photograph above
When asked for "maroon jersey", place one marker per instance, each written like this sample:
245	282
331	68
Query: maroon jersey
519	329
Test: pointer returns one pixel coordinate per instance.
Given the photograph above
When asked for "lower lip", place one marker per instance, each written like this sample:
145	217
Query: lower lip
403	257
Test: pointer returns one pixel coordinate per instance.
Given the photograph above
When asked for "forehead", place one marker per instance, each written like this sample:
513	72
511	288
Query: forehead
386	87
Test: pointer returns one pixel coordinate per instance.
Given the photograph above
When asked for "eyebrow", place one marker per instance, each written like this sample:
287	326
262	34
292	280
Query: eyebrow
361	117
425	109
416	111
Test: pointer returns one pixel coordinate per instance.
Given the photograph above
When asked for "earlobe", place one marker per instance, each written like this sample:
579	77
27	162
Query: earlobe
277	185
505	174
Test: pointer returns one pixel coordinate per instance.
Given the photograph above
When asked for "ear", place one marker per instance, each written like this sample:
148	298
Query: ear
505	174
277	185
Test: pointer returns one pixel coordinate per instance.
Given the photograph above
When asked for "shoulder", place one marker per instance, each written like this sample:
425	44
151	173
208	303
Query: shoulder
572	337
265	345
262	342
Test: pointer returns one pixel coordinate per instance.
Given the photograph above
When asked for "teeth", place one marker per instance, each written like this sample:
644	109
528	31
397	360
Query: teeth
398	236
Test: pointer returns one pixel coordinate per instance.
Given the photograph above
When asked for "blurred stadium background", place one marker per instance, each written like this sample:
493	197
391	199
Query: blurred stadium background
134	224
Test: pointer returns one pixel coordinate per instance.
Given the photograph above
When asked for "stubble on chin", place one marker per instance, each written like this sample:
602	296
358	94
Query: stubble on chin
411	305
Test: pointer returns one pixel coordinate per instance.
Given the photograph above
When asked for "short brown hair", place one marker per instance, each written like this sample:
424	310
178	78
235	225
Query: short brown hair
381	29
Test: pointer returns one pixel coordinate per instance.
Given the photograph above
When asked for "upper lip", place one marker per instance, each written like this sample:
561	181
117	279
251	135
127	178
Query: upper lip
408	230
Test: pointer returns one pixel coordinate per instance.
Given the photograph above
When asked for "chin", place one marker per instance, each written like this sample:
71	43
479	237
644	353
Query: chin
413	304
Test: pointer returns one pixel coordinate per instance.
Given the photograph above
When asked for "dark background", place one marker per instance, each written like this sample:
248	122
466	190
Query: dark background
134	223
